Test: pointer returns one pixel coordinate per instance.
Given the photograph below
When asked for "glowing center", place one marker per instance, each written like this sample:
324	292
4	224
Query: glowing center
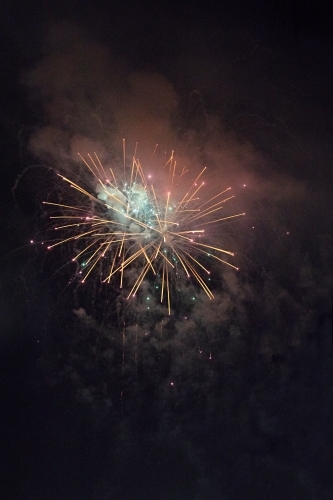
167	238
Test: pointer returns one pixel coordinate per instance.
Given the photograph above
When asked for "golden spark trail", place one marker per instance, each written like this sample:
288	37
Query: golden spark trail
135	232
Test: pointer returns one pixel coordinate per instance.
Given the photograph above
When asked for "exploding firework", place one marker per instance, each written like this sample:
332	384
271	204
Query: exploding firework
128	229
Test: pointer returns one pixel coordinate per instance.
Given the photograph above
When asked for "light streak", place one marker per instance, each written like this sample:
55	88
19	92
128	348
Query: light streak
129	225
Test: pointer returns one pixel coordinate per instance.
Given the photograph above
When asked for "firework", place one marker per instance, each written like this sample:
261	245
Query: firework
128	230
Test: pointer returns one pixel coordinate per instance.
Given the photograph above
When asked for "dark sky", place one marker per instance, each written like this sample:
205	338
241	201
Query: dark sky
233	402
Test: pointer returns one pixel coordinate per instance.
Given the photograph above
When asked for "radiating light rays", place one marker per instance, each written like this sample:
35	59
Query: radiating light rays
125	224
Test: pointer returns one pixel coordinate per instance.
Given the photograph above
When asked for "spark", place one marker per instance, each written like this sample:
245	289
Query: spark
124	224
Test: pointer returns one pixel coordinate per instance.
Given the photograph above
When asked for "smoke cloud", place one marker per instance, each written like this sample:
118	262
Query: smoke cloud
219	395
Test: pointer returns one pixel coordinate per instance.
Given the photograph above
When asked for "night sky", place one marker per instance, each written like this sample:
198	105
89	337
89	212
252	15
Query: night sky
229	399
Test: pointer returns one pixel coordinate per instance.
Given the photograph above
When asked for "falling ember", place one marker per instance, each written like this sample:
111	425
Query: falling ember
130	227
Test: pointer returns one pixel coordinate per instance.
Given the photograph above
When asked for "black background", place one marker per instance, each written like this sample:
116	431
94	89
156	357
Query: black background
235	402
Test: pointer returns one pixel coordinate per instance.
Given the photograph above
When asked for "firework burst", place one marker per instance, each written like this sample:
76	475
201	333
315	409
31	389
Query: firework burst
128	230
